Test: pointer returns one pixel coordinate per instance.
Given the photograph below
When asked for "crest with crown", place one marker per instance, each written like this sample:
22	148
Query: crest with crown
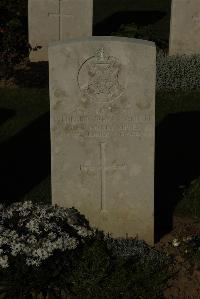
101	58
102	85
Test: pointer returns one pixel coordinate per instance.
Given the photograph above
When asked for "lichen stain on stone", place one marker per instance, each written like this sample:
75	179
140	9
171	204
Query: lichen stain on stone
113	108
148	131
59	93
57	104
123	100
143	105
66	53
135	170
85	103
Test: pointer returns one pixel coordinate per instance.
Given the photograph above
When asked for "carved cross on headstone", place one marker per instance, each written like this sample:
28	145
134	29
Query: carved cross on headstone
103	169
60	15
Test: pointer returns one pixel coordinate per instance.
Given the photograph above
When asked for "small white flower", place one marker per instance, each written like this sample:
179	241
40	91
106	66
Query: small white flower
44	234
4	261
8	214
27	250
28	261
175	242
27	205
32	240
68	243
82	231
33	226
24	213
52	236
21	222
17	248
13	234
33	262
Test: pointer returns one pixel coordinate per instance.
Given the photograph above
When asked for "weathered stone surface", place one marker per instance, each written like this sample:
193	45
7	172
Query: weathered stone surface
102	92
185	27
54	20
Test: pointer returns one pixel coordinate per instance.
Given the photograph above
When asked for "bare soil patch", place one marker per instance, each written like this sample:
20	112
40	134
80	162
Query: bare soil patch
185	283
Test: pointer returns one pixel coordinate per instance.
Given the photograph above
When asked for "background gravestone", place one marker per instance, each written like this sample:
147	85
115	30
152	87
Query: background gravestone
54	20
185	27
102	92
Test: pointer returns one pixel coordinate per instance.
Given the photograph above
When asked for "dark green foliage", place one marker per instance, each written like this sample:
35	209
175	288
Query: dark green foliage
190	248
120	269
90	271
190	203
19	280
13	34
102	268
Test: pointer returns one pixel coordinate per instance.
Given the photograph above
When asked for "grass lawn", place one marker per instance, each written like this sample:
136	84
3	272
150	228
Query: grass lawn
19	107
25	106
176	102
24	143
177	159
24	127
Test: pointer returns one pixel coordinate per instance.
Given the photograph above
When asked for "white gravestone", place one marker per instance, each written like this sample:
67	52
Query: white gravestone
185	27
102	94
57	20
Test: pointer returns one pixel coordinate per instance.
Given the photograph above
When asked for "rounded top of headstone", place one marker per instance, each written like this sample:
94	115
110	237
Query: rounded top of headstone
103	38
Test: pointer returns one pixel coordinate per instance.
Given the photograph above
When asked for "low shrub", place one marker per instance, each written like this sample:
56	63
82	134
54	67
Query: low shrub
120	268
53	250
37	244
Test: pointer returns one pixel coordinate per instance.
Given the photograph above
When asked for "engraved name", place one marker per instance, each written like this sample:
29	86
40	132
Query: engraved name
100	124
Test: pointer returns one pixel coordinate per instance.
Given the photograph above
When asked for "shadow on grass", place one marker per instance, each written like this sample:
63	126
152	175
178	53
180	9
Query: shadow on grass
5	114
25	160
140	18
33	74
177	163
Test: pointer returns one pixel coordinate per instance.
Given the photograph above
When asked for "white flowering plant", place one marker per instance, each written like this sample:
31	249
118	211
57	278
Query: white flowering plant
177	72
38	242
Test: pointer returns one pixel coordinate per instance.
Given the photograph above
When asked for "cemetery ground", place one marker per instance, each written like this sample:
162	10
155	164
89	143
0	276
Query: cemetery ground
25	175
25	167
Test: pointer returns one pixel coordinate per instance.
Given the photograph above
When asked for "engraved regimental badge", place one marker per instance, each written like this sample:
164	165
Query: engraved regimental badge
98	78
